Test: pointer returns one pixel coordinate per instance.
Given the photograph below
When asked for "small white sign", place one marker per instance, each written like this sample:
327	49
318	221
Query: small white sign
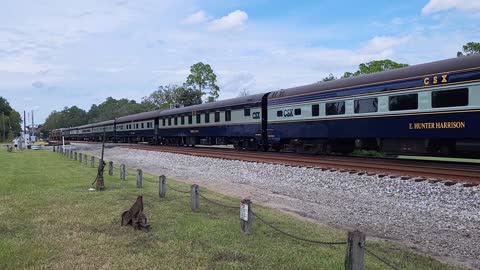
244	211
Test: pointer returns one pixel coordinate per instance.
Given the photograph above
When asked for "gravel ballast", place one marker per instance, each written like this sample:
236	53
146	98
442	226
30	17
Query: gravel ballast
442	221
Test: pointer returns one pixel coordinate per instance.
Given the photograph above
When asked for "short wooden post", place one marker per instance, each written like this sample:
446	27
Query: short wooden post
195	201
110	168
162	186
76	154
355	251
53	148
92	162
85	160
122	172
246	216
80	157
71	154
139	178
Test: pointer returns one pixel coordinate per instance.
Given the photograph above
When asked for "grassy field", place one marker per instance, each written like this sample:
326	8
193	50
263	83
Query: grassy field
49	220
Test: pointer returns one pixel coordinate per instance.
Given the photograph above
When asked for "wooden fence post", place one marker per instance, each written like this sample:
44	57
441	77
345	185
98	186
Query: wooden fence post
80	157
246	216
355	251
139	178
75	156
195	202
71	154
122	172
162	186
92	162
85	160
53	148
110	168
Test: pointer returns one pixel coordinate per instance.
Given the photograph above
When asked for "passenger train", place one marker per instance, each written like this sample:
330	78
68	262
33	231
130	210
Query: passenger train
431	108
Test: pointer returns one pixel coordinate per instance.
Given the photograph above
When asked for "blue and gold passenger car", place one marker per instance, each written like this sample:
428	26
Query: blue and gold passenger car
428	108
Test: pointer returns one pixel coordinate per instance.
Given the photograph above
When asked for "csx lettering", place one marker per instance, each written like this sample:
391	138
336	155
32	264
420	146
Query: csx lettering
435	79
288	113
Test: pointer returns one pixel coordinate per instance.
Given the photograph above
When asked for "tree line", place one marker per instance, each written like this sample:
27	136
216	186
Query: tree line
10	120
199	83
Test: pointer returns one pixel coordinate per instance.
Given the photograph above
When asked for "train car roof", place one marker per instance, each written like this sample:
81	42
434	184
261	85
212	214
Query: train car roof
138	116
103	123
459	63
213	105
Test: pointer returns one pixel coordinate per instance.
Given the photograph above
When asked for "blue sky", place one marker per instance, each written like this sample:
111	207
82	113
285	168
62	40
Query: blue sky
64	53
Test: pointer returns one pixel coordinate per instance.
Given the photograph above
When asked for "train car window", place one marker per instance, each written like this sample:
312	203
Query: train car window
279	113
136	126
298	111
403	102
335	108
228	115
217	116
450	98
143	126
207	117
190	119
169	121
175	120
246	112
182	120
366	105
163	121
199	119
315	110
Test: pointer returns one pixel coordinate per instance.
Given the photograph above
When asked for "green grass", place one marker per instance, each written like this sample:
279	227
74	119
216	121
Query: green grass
48	220
450	159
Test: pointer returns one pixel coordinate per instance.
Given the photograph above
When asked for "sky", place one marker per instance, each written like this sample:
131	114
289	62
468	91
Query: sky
56	53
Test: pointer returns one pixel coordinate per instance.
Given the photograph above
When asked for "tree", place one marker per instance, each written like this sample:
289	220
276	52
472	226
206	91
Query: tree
112	108
172	95
187	96
469	49
201	78
374	66
10	119
330	77
161	98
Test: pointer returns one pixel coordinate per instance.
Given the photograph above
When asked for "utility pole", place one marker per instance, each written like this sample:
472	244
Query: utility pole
33	126
24	123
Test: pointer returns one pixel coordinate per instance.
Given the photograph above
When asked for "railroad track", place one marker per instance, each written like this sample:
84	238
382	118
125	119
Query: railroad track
432	171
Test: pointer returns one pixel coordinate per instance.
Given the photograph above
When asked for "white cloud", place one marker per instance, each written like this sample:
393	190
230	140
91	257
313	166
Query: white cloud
383	44
471	6
196	18
234	20
22	64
